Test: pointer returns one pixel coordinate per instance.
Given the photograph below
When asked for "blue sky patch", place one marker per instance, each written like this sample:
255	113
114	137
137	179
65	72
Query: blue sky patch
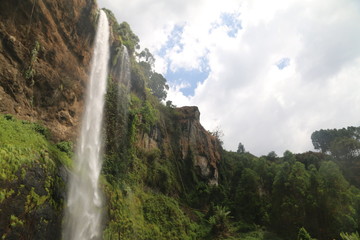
283	63
173	40
231	20
191	78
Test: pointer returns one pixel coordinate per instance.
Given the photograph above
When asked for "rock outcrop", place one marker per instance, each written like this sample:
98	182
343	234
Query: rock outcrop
45	50
199	142
189	142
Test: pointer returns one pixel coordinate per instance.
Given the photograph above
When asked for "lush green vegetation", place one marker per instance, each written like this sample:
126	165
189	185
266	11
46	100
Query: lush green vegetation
31	188
143	75
285	194
23	143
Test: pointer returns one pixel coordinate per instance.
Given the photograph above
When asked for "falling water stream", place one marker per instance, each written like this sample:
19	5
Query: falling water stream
83	213
123	75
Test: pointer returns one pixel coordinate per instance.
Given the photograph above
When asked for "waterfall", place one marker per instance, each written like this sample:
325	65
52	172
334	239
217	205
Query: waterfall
83	211
123	85
125	70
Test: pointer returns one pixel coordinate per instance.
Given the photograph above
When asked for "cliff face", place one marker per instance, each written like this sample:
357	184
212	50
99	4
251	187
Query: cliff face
191	144
194	139
45	50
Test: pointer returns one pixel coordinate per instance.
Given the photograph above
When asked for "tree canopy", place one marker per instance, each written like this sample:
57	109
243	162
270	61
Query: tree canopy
323	139
241	148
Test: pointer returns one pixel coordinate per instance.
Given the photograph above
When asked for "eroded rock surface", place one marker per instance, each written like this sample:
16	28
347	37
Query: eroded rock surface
45	51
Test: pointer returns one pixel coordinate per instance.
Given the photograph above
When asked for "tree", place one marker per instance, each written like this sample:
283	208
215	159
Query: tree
155	81
241	148
158	86
248	201
170	104
271	156
337	211
218	134
290	189
345	148
303	235
129	39
219	222
147	56
323	139
289	157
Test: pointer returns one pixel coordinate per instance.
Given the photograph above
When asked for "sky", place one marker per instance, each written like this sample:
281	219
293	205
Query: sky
266	73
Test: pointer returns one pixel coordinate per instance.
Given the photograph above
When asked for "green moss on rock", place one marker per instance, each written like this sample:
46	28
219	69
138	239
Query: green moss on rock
32	187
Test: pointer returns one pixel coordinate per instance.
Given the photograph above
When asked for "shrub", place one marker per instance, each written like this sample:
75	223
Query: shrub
303	234
350	236
220	221
66	147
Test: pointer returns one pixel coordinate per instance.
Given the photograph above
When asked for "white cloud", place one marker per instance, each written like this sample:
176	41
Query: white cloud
176	96
246	94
